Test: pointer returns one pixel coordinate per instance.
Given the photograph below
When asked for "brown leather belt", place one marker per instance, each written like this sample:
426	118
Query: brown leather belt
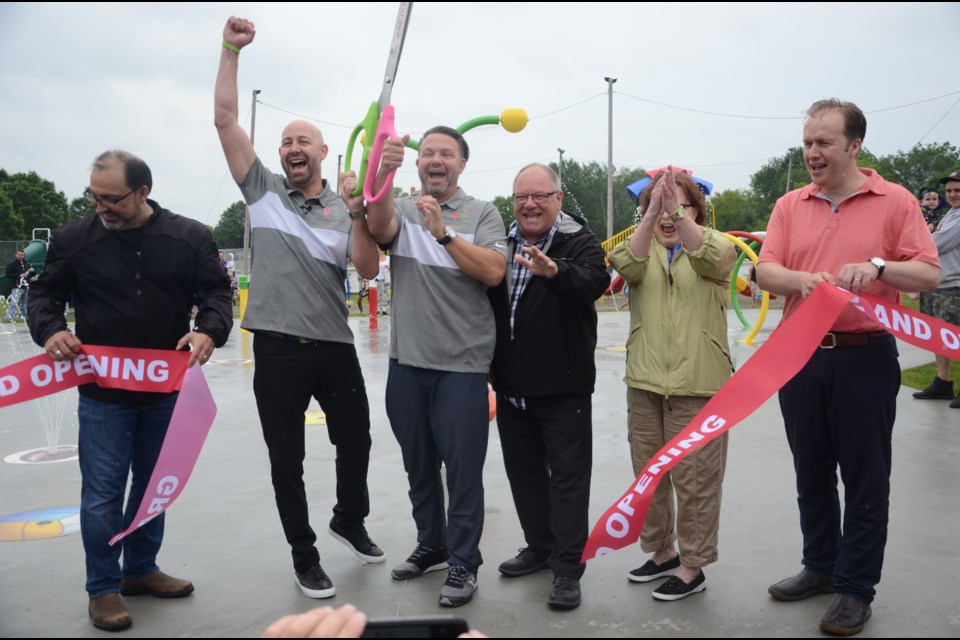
838	339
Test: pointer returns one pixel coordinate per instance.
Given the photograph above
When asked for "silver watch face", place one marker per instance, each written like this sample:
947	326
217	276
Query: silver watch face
878	262
450	233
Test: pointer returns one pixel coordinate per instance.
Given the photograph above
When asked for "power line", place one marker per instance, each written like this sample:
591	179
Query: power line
575	104
913	104
938	121
306	117
751	117
709	113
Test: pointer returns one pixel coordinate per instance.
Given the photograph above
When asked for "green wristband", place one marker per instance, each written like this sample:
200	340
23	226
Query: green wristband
227	45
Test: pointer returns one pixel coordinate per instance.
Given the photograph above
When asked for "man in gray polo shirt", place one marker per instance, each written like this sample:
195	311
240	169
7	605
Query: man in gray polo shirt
447	248
944	302
302	234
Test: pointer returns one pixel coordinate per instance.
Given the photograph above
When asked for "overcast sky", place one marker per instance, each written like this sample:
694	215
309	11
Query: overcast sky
77	79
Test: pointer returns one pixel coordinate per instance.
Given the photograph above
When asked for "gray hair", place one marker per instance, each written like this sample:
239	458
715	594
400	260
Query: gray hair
554	178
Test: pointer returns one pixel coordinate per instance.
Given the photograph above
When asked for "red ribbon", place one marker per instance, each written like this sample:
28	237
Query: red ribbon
785	352
146	370
111	367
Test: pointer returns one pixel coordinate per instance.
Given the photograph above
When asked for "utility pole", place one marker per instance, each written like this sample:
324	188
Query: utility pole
561	164
246	217
789	169
610	82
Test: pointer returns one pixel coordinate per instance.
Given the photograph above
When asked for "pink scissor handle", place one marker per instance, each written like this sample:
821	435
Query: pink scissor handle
385	129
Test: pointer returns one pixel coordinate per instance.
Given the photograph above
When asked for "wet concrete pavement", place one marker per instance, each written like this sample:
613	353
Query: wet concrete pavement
225	535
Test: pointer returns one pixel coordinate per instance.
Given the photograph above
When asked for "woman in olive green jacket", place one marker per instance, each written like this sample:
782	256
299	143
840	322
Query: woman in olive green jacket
677	358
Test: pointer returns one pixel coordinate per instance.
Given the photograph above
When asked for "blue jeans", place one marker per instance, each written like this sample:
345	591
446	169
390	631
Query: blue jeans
113	440
17	304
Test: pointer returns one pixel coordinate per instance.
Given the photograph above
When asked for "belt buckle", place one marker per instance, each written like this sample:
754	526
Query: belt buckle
829	346
304	340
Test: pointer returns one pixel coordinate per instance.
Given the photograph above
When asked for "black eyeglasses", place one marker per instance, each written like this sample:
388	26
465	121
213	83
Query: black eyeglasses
539	198
107	201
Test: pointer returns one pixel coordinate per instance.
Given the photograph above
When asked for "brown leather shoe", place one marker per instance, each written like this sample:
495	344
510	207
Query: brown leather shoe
800	587
157	584
109	613
846	616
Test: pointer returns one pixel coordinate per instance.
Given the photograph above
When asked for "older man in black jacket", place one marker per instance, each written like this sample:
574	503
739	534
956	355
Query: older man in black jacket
544	372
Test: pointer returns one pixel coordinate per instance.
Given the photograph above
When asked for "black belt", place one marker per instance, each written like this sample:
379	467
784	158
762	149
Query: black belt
285	336
838	339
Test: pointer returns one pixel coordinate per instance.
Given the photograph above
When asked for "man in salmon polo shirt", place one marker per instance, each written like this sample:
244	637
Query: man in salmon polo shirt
852	228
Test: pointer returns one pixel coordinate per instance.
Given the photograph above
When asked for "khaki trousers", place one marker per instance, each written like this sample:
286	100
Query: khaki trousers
697	479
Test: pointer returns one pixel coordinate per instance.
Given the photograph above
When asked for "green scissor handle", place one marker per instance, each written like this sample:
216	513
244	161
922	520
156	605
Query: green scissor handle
369	127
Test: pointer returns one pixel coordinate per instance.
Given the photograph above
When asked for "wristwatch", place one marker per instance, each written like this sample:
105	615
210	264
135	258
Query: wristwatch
356	215
448	236
678	214
880	265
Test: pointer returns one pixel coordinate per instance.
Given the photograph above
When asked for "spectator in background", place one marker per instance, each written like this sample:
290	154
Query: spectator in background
944	301
383	285
931	206
19	272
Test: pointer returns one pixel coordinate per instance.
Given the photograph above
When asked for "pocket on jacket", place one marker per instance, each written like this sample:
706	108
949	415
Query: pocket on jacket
714	366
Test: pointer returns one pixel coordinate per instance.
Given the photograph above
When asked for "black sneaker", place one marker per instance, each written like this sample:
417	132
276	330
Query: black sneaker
938	390
459	587
650	571
315	583
528	561
422	560
353	534
955	403
565	593
677	589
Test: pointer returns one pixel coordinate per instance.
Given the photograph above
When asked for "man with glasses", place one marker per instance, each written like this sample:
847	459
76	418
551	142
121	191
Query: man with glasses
135	270
544	374
447	248
944	301
19	274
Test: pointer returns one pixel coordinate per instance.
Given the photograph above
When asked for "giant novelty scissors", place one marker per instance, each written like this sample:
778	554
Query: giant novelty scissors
380	118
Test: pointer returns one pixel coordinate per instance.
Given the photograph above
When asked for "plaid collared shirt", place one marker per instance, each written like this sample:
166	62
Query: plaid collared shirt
520	278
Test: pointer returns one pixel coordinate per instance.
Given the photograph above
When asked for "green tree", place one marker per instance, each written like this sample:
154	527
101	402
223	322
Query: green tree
229	230
920	167
770	182
36	199
80	207
739	210
585	194
504	205
11	222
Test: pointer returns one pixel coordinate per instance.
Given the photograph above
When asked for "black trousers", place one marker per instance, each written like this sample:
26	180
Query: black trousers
287	375
442	417
839	410
548	455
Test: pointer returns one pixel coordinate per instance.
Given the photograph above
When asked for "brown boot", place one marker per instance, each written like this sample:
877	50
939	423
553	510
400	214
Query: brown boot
157	584
109	613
